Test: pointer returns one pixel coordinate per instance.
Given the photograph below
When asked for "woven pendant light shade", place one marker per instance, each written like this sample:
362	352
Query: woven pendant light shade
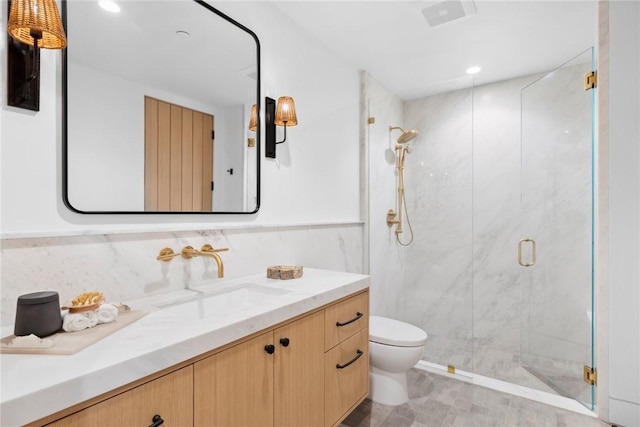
286	112
30	19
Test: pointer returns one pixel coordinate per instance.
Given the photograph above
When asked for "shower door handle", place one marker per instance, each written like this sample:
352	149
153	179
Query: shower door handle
533	252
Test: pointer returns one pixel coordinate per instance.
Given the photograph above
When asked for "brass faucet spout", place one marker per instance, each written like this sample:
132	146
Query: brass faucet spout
207	250
216	257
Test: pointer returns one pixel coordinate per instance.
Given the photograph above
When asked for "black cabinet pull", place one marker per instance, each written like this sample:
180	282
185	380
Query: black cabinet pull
270	348
360	353
157	420
358	315
284	342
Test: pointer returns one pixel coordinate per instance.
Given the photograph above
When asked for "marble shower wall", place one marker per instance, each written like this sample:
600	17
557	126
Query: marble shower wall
124	266
438	288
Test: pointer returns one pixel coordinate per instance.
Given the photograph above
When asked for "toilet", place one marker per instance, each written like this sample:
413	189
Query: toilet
394	348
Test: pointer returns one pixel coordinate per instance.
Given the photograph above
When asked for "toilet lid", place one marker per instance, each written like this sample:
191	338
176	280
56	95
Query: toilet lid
394	332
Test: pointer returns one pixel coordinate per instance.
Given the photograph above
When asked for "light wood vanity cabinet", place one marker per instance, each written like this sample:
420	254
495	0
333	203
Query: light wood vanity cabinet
299	373
235	387
346	367
170	397
310	371
276	378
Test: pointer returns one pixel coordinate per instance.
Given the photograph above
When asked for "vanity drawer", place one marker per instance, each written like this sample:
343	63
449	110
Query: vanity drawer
345	318
346	376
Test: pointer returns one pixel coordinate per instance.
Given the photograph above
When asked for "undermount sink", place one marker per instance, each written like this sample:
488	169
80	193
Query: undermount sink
224	301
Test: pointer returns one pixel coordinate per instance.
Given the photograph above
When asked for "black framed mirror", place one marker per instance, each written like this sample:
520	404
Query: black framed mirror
157	100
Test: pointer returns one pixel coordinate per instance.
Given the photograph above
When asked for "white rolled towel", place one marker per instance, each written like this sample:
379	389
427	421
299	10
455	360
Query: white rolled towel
73	322
107	313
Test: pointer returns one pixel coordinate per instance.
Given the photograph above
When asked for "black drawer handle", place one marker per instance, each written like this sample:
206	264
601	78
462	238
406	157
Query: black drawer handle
360	353
358	315
157	420
270	348
284	342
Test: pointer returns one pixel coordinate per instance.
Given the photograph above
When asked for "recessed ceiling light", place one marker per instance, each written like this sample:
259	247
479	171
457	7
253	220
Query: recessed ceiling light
109	6
473	70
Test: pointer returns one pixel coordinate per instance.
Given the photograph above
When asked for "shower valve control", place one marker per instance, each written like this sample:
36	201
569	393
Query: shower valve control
391	218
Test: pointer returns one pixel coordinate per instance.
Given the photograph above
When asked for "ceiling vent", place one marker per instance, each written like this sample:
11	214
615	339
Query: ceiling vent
442	12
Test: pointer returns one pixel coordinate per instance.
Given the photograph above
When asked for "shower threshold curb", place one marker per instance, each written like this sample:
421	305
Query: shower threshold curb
509	388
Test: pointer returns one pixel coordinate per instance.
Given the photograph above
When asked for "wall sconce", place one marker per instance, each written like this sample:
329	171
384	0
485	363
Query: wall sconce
253	118
282	115
253	125
32	24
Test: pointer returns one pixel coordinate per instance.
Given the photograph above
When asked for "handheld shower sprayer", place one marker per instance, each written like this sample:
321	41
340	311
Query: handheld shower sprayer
401	149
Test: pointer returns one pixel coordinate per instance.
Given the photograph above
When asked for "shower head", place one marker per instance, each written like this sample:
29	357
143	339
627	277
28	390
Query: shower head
406	135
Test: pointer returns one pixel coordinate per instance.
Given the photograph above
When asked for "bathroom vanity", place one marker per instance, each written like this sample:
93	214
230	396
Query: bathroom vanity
248	351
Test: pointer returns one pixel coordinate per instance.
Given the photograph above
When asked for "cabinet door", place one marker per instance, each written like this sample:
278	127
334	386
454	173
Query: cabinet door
170	397
299	372
346	376
234	388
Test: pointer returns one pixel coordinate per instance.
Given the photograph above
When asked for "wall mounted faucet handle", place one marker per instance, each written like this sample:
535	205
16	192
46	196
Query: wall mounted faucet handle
208	248
167	255
188	252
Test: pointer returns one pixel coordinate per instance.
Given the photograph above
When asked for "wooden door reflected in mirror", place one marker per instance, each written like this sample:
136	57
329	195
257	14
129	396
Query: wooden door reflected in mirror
179	153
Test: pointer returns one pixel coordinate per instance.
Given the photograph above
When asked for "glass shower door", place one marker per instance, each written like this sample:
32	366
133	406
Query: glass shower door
556	250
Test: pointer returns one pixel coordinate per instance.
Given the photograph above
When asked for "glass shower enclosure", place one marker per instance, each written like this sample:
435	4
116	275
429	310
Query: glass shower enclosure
556	249
499	190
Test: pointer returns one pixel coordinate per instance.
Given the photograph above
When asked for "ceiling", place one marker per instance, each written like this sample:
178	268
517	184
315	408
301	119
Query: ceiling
394	42
158	44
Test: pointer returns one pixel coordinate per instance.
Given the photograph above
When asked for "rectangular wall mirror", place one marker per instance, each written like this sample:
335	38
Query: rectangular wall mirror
157	100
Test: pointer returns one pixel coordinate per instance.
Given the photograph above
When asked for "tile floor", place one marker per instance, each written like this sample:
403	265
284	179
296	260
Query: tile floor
440	401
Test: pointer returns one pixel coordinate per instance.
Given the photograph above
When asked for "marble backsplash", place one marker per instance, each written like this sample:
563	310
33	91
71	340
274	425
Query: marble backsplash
124	266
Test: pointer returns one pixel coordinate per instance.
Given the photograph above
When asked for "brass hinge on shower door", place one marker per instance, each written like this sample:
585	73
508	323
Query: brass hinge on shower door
589	375
590	80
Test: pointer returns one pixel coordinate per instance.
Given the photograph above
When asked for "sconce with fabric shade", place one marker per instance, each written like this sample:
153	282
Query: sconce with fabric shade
286	112
32	24
282	115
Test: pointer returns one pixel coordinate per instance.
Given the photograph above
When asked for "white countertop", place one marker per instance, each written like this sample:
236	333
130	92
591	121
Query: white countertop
34	386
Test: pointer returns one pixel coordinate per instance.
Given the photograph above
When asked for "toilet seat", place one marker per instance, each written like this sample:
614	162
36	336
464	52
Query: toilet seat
393	332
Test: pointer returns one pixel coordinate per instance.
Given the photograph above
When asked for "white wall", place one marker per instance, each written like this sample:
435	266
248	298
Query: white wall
624	212
315	177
